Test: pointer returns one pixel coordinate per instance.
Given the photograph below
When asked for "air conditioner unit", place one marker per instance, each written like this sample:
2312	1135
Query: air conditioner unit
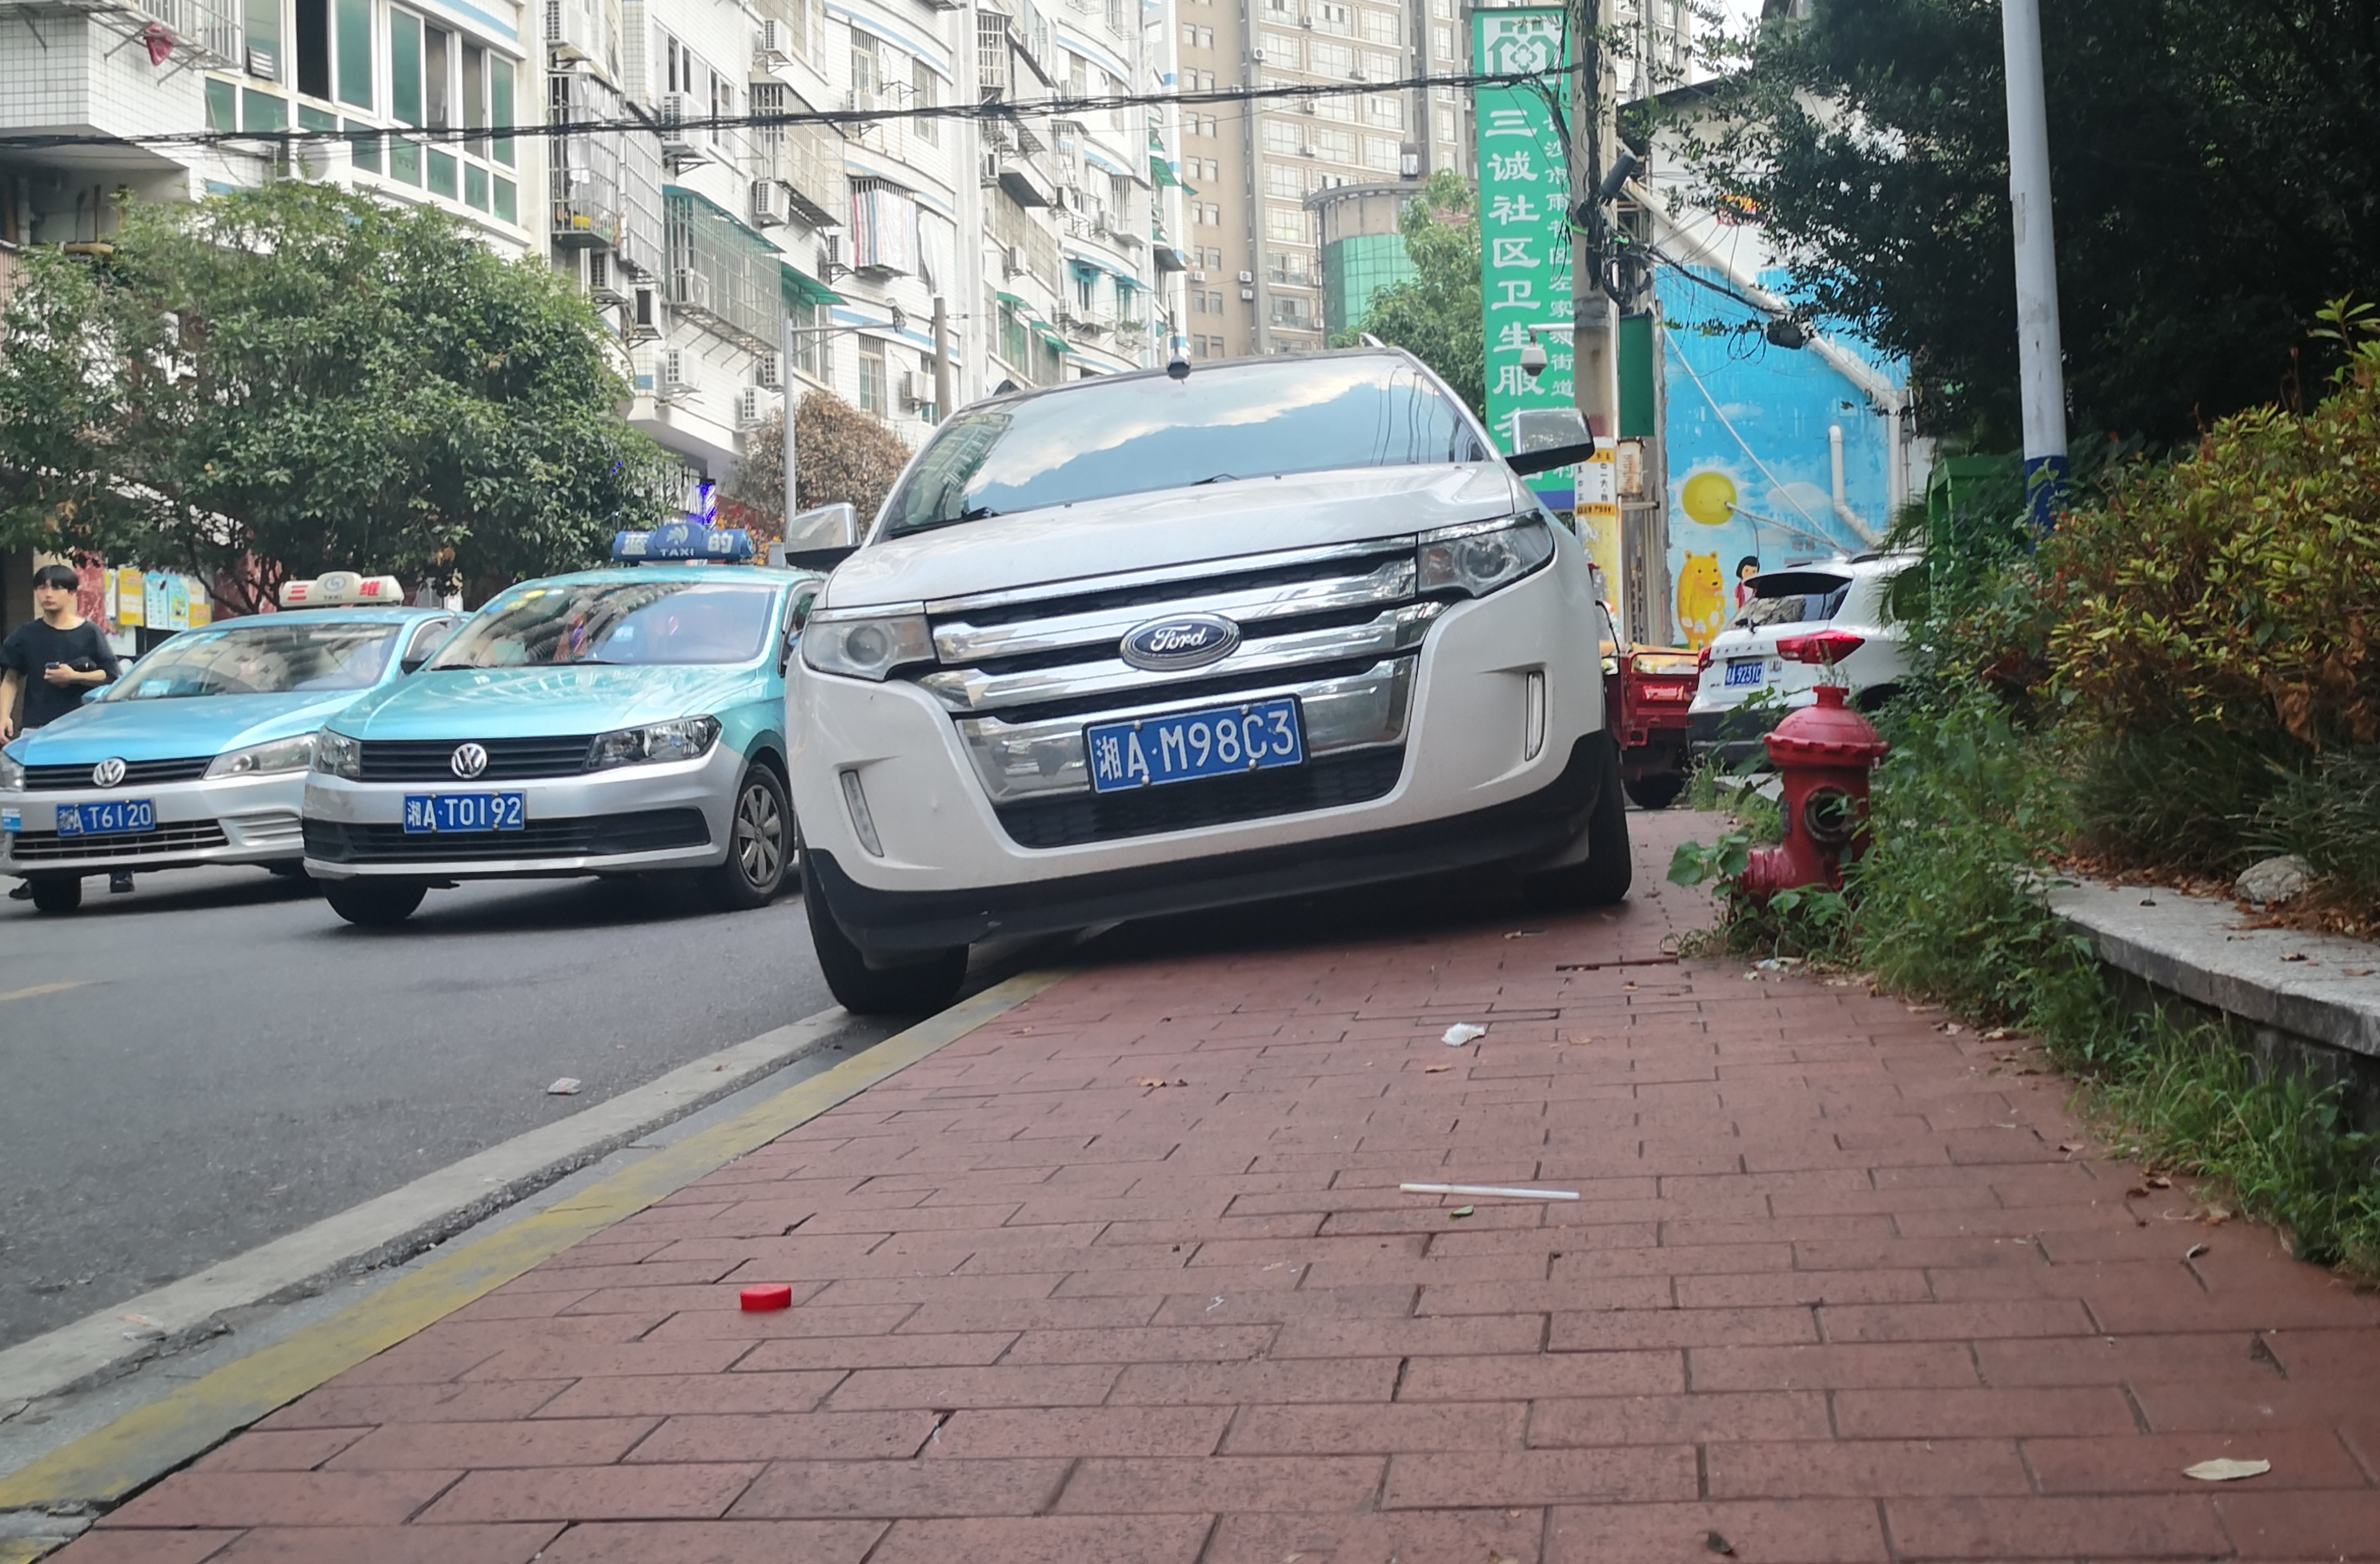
669	378
1256	56
1308	151
909	397
600	276
1013	263
679	144
1305	106
776	42
690	287
1247	293
767	204
831	255
750	407
572	31
644	314
1246	277
768	371
1198	276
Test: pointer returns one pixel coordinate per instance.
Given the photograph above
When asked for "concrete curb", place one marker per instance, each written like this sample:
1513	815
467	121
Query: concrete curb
393	1227
2195	947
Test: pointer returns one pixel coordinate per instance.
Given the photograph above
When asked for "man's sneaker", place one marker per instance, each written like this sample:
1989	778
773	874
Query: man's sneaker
119	883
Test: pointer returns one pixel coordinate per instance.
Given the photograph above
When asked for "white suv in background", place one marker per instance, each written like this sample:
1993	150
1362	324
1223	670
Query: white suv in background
1180	639
1800	622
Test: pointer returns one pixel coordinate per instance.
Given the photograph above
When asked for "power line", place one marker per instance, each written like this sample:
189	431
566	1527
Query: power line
989	112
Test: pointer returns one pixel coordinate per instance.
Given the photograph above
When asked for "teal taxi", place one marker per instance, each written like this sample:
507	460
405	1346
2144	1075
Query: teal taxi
197	755
627	721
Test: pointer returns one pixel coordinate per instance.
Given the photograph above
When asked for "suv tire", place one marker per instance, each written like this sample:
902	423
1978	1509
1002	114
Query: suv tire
55	892
921	988
762	843
374	904
1603	879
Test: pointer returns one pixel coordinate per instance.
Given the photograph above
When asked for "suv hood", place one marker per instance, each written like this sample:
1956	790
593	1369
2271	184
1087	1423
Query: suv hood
174	730
1172	527
458	703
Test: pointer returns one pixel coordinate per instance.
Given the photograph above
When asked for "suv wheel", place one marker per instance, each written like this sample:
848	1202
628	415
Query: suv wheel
1604	879
927	986
762	844
374	904
56	892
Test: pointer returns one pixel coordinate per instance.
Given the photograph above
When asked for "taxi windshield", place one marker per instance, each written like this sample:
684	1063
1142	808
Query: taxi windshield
1219	425
279	658
632	624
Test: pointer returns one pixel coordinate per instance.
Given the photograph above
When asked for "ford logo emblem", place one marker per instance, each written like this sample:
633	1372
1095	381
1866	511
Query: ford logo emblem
1182	640
468	760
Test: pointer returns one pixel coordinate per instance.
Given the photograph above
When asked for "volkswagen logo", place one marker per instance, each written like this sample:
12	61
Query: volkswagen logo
1182	640
108	772
468	760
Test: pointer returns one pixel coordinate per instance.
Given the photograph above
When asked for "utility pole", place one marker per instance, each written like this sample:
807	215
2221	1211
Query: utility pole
1594	112
942	362
786	378
2040	381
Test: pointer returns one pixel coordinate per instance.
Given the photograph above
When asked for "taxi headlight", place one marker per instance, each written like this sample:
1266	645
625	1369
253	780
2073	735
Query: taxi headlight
12	773
280	755
1478	557
339	755
866	648
685	739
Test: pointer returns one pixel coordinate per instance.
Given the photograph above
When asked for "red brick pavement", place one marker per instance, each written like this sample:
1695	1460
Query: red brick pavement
1838	1289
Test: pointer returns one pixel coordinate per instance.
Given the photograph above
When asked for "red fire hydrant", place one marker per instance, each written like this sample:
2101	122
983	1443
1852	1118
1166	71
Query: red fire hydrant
1823	754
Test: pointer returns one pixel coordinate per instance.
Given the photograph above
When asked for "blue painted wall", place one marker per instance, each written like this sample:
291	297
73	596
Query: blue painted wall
1780	402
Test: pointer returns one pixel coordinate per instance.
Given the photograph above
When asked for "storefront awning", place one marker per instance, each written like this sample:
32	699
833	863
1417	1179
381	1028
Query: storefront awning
801	289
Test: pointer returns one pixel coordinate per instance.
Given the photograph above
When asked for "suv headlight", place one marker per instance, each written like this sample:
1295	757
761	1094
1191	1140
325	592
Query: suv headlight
685	739
866	647
12	773
280	755
1478	557
339	754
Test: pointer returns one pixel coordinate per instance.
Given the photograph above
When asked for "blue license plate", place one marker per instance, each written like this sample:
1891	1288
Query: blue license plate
464	811
116	818
1218	741
1743	670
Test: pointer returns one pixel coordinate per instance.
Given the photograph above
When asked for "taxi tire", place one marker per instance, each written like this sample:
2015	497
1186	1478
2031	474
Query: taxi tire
55	892
1656	792
762	794
923	987
374	904
1603	879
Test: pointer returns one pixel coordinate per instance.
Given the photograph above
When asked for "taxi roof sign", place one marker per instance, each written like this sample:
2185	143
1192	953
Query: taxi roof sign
682	541
343	589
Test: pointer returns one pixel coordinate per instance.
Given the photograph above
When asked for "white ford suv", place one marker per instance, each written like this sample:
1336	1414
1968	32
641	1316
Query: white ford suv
1179	639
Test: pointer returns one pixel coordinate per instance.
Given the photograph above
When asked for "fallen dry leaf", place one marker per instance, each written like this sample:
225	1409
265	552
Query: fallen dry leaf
1461	1211
2223	1469
2062	1147
1496	1558
1996	1034
2294	955
2193	1252
1718	1544
1950	1028
2159	1180
1151	1081
1436	1069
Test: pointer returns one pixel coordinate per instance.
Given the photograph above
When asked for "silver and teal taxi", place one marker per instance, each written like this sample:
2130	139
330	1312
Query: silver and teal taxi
613	722
198	754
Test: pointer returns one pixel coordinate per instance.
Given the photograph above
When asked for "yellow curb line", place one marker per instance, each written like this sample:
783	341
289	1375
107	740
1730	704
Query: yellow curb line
105	1465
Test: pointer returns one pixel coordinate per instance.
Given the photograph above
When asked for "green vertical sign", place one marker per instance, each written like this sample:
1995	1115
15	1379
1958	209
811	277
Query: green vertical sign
1524	254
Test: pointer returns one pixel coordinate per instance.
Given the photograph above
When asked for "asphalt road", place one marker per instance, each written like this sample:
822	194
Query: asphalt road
234	1062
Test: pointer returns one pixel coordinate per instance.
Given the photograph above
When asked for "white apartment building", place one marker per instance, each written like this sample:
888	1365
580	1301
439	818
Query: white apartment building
1041	241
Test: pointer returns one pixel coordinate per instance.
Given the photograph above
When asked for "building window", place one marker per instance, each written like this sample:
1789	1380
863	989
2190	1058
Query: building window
1378	66
873	397
1446	125
1381	26
1380	155
865	82
314	48
925	92
1285	180
1441	43
1331	16
1334	59
263	37
1286	223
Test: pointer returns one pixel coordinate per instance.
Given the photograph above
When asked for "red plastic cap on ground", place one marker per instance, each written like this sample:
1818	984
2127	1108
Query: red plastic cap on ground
769	1295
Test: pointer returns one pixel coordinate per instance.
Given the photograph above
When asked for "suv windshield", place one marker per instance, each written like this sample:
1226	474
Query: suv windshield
641	624
262	659
1132	436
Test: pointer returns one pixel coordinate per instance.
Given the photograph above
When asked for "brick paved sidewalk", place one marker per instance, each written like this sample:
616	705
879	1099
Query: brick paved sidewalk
1838	1288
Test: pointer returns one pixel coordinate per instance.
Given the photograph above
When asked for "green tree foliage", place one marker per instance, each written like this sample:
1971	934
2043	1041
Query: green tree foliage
1435	314
845	457
2216	178
295	379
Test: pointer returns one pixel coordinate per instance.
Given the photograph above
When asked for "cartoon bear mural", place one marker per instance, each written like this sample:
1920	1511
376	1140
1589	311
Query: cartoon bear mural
1701	600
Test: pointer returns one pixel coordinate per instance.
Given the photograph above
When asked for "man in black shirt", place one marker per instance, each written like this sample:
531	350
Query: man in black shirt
50	662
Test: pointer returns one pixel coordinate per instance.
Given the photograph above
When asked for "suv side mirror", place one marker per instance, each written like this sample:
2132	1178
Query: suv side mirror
818	539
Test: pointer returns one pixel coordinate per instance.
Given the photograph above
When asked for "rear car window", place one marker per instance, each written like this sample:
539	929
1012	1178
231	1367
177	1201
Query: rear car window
1794	597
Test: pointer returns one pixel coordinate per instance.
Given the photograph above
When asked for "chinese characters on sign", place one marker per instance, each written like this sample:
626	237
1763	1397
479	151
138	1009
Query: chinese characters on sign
1525	255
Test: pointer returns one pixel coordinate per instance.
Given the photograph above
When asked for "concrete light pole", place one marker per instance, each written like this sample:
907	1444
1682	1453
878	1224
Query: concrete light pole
2040	377
786	378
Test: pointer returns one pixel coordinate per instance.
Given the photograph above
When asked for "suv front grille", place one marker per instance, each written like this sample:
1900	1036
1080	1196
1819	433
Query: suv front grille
509	760
1323	784
137	774
646	830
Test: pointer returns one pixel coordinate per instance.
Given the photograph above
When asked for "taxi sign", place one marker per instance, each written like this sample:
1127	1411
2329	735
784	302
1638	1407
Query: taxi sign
342	588
679	541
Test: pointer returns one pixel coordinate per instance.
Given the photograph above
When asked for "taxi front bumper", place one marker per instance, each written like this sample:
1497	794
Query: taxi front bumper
626	819
249	820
